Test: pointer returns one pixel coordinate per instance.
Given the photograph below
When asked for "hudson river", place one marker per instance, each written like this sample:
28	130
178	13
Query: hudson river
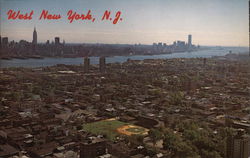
213	51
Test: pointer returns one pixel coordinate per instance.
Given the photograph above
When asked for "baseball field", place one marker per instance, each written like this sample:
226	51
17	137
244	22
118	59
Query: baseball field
113	128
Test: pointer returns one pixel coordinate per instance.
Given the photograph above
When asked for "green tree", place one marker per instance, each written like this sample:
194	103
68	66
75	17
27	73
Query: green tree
155	135
178	147
176	98
210	154
135	139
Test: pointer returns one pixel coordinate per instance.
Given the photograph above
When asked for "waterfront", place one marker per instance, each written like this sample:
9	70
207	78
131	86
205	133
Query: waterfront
207	53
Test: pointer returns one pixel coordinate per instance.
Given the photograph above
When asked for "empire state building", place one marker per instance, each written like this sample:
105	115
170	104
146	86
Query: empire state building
34	36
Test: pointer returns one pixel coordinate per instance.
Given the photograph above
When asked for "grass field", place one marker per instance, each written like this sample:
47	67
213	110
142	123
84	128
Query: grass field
109	128
105	127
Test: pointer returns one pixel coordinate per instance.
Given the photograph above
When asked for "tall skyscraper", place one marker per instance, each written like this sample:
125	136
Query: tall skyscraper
5	41
189	41
57	40
34	36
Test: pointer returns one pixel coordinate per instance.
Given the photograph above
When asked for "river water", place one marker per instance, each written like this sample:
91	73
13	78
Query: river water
207	53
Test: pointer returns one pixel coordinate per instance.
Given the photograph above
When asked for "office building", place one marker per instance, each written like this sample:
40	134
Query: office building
5	42
93	148
102	64
238	146
189	41
86	64
181	45
57	40
34	41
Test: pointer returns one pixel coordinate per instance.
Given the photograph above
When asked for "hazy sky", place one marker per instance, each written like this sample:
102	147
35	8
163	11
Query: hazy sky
211	22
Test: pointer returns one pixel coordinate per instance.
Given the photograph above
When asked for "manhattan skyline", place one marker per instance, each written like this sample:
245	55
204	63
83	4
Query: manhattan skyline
223	23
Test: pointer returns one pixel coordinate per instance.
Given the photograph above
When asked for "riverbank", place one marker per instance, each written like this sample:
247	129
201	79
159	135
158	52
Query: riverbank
47	61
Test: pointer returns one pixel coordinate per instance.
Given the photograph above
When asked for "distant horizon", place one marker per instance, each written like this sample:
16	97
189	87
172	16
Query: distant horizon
127	43
122	43
214	22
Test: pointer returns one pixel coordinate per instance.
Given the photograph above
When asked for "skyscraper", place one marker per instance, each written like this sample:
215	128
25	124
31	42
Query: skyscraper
5	41
57	40
34	36
189	41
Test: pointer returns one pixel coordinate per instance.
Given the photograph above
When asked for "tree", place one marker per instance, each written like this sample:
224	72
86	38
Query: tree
135	139
180	148
176	98
155	135
209	154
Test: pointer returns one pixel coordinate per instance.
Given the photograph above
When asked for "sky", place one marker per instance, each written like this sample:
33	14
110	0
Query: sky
210	22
